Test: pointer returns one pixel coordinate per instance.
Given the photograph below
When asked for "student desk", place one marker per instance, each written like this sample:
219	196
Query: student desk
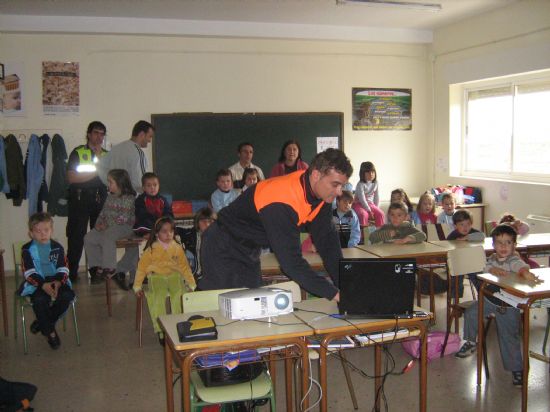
456	244
535	243
270	265
3	292
334	328
513	284
423	251
234	336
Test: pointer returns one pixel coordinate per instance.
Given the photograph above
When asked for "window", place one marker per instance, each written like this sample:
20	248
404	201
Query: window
505	129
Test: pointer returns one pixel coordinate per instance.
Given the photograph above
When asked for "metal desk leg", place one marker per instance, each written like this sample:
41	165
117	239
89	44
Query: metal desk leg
323	376
480	333
377	376
423	401
288	381
168	376
525	387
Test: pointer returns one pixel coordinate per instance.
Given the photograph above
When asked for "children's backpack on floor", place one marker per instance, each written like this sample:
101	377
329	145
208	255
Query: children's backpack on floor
435	344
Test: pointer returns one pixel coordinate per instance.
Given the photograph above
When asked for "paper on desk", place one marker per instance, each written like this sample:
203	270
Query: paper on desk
510	299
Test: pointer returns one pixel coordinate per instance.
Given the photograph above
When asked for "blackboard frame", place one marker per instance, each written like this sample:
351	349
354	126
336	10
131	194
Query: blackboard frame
187	167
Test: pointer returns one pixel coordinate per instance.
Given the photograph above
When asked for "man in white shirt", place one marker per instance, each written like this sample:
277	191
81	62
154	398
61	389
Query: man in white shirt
129	155
245	152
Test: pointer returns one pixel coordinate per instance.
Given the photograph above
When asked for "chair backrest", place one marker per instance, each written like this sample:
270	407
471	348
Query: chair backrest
464	260
367	230
489	226
290	286
437	231
17	246
202	301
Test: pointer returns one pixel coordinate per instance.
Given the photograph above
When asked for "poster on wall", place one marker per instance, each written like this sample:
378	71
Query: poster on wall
60	88
12	90
381	109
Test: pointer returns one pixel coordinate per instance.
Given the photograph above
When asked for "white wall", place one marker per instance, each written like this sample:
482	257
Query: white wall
127	78
511	40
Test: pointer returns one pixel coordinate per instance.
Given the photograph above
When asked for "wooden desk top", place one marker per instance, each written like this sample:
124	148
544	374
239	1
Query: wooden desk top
456	244
412	250
534	240
516	285
231	332
327	324
270	264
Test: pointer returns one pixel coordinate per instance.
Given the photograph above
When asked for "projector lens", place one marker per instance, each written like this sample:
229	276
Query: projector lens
281	301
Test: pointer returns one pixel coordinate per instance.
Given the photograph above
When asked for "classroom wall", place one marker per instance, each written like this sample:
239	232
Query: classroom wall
514	39
127	78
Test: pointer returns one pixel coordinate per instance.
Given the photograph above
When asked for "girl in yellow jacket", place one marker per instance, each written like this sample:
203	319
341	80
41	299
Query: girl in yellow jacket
164	258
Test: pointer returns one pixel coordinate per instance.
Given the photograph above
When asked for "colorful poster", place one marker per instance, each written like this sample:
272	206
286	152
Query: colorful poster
60	87
381	109
12	90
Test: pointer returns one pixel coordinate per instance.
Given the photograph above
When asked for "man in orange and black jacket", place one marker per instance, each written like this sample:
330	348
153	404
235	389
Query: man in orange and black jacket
272	214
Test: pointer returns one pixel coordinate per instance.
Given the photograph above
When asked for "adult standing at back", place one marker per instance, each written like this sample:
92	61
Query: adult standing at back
290	159
272	213
245	152
87	192
129	155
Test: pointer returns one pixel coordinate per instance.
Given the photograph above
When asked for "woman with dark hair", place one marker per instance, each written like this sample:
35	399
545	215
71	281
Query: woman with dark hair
290	159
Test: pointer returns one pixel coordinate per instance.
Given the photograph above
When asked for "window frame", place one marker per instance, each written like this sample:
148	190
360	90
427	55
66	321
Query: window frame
462	91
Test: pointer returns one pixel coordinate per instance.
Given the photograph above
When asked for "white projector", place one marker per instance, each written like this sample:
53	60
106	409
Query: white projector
255	303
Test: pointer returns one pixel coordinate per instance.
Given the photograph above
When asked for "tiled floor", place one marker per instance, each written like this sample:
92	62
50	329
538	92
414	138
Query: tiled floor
109	372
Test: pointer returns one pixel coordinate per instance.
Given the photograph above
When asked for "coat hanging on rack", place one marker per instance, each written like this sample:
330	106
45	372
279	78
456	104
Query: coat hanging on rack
4	186
35	173
16	171
58	188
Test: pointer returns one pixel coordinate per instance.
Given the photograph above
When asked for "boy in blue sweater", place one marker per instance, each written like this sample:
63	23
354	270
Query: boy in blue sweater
46	277
346	220
225	193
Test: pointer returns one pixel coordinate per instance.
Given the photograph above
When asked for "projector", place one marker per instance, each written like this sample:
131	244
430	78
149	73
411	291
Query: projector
255	303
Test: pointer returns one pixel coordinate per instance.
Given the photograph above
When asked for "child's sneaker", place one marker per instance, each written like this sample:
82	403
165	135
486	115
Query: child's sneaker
466	350
517	378
54	341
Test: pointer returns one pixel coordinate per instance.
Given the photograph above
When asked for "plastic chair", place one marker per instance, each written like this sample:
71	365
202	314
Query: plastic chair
460	262
22	302
201	395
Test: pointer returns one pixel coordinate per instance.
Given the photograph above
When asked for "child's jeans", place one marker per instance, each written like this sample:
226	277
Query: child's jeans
159	287
363	214
47	311
508	324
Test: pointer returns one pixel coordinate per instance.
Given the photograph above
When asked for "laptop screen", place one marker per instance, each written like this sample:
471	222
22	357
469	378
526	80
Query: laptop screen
377	288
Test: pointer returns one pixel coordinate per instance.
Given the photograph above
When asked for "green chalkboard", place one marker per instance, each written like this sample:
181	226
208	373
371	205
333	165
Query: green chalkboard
189	148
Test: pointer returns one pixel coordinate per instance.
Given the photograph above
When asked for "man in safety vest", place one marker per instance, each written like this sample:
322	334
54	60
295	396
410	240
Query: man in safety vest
272	214
87	194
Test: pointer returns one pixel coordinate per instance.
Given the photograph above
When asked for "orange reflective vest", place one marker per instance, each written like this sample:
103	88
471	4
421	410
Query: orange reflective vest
288	190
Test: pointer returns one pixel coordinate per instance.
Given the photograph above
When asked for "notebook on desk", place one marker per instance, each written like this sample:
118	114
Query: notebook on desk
377	288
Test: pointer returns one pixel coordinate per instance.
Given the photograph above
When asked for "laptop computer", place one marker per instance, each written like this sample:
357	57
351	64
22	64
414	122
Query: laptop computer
377	288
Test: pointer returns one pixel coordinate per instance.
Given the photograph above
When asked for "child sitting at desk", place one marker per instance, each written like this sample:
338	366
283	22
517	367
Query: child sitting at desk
150	205
46	277
399	230
425	210
346	221
165	257
225	193
463	221
449	205
399	195
501	263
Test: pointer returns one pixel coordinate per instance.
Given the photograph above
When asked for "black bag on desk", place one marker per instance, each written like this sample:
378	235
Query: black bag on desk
197	328
223	376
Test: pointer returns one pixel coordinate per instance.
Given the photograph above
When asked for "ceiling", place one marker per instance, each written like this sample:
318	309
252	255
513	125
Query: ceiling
321	19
